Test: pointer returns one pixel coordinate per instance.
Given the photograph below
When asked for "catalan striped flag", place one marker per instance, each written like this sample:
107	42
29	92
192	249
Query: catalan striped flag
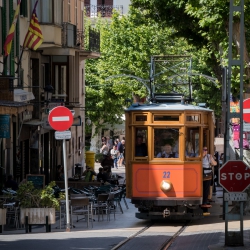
9	38
34	36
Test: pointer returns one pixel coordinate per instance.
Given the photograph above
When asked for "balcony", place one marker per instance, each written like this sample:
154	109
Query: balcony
104	10
69	38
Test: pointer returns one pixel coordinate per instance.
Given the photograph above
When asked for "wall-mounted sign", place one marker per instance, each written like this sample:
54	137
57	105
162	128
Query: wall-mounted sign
4	126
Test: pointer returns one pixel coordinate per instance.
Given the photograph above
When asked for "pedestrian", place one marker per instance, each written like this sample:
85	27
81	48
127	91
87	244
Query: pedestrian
207	163
120	148
59	173
104	149
114	155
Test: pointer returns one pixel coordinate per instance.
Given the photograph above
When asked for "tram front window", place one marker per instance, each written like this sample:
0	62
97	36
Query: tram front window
140	143
166	143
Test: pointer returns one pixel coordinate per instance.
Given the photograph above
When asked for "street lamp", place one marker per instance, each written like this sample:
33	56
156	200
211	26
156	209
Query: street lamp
48	91
88	121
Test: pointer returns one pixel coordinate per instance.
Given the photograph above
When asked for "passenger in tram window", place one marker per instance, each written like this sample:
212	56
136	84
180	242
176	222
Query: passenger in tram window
189	150
140	147
166	152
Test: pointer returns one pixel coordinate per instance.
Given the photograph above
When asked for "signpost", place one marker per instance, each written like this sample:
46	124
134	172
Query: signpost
61	118
234	177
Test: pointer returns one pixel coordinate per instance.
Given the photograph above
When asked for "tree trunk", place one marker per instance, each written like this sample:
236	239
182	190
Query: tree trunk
95	140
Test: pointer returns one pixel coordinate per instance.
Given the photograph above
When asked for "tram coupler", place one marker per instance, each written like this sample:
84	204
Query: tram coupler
166	213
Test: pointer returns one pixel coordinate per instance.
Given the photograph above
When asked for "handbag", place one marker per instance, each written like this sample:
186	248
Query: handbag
207	176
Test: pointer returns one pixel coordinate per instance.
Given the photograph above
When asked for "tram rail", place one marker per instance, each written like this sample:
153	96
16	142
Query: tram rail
165	243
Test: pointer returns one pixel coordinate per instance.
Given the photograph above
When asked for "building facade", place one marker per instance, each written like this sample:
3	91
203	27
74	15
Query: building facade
56	67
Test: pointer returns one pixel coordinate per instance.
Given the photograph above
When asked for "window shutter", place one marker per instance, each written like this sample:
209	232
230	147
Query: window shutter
24	8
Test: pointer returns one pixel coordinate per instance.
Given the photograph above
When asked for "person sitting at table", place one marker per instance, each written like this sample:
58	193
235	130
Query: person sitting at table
101	177
10	183
88	173
166	152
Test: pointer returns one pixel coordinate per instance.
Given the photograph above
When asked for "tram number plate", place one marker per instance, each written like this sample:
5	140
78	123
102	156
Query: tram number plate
235	196
166	175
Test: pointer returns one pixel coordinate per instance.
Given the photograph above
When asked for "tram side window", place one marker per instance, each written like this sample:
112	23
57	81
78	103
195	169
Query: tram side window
141	149
166	143
192	142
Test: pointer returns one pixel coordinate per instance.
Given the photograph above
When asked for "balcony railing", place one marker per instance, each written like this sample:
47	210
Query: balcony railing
103	10
74	38
94	40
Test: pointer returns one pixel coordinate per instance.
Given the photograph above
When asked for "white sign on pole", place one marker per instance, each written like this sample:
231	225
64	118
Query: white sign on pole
63	135
246	126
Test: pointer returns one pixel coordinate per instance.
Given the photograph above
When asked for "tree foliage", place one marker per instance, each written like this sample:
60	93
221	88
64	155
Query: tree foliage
204	23
127	43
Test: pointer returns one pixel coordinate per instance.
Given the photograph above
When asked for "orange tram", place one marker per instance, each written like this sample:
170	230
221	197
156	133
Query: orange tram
164	141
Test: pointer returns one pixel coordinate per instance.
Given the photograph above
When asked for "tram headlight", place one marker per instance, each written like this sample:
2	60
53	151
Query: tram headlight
166	185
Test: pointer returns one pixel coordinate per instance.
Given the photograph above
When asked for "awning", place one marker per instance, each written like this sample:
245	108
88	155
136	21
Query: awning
21	95
34	123
14	108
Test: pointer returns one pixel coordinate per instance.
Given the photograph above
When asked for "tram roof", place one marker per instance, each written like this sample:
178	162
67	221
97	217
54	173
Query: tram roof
166	107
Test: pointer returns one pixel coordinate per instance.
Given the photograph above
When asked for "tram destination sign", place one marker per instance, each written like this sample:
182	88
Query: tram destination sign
234	176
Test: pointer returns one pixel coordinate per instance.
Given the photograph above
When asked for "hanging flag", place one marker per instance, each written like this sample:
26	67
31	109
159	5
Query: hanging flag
9	38
34	36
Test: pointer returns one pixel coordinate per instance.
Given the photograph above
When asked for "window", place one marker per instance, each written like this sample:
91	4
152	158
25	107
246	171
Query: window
24	8
193	118
69	14
48	11
140	118
166	117
141	135
166	143
76	12
192	146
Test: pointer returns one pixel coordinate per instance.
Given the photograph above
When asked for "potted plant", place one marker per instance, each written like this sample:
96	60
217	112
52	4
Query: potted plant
37	204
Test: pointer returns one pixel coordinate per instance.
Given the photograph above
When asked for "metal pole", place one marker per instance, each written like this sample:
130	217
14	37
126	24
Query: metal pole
66	187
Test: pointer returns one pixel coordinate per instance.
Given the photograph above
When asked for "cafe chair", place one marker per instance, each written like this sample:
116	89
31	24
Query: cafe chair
13	213
111	205
81	206
101	205
117	198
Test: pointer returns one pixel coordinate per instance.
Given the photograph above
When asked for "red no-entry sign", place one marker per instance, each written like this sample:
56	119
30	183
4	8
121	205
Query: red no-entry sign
234	176
246	110
60	118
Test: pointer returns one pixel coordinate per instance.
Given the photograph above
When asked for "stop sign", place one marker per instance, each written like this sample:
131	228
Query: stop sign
234	176
60	118
246	110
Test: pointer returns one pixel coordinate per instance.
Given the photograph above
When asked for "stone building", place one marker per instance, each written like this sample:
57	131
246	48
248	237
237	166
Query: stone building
56	67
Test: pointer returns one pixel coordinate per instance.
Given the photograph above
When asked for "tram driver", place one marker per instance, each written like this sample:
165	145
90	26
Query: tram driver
166	152
140	147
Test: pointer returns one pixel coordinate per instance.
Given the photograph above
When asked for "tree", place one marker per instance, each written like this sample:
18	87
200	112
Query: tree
127	44
202	23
